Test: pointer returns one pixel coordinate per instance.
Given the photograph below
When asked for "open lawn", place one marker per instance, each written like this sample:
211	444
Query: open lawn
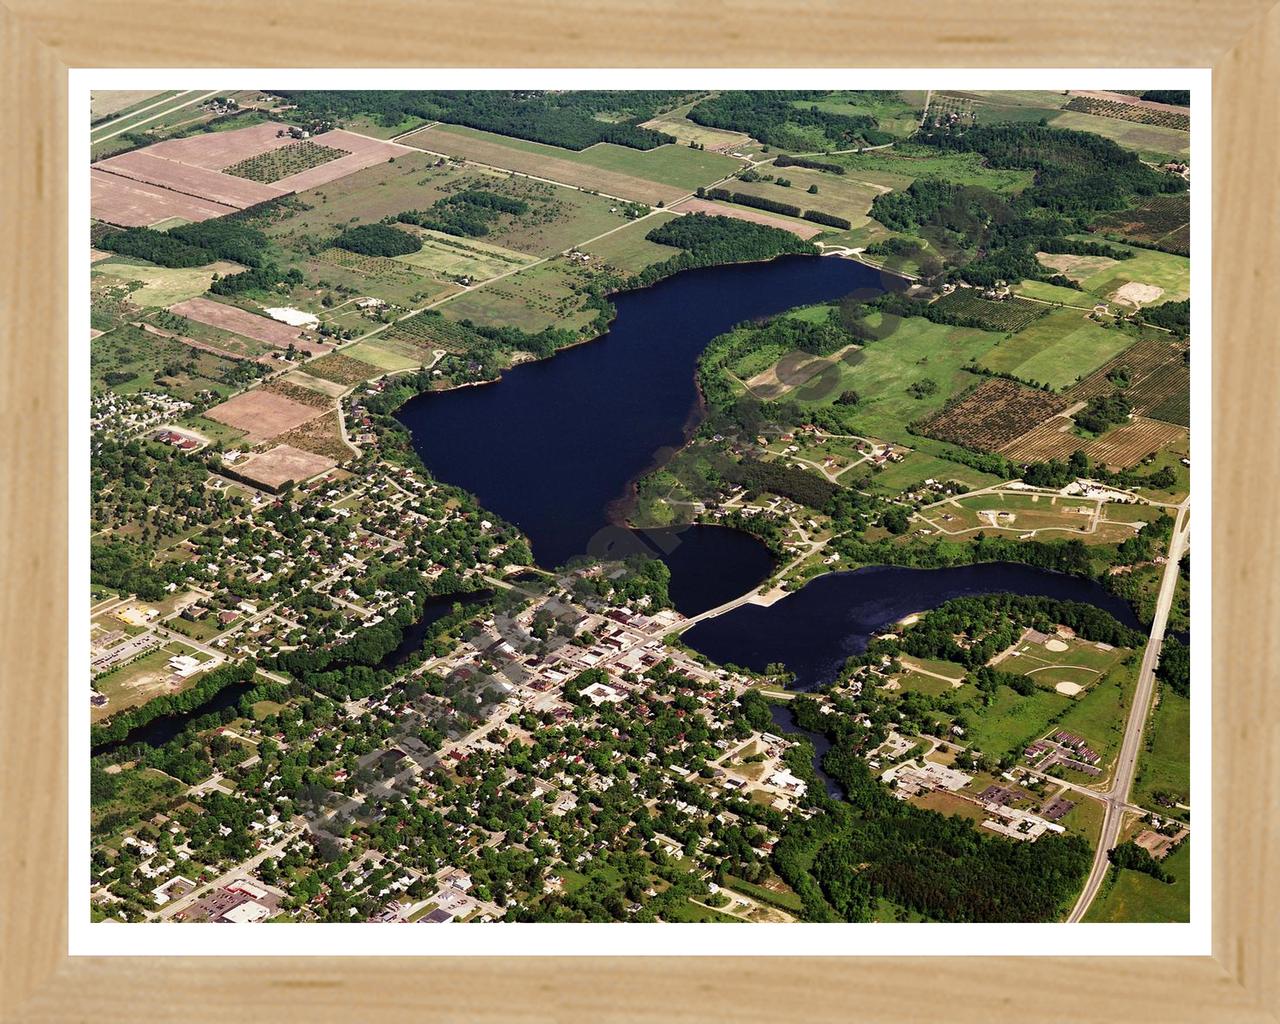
1058	349
143	679
1053	293
916	350
1012	721
1099	713
675	123
1132	896
898	114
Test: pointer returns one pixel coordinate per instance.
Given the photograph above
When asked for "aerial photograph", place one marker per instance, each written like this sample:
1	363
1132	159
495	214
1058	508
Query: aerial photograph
638	506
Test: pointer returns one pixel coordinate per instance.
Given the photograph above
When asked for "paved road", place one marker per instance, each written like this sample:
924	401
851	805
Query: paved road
1117	798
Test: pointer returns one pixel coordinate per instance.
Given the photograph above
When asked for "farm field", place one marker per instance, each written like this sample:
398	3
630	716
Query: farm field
1127	444
675	123
280	464
162	286
674	165
838	195
262	414
898	115
285	161
532	300
1169	273
131	204
804	228
377	353
1058	349
456	257
627	249
1009	315
1158	377
251	325
1150	142
1162	221
1053	293
996	412
1163	766
128	350
918	349
1137	897
340	369
1124	107
118	102
600	174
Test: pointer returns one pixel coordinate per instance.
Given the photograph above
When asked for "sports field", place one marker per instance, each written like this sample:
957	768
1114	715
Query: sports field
1058	349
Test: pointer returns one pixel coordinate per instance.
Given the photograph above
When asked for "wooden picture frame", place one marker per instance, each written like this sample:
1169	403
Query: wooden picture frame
1240	40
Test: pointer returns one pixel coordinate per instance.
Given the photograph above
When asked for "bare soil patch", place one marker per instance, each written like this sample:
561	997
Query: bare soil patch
282	464
241	321
135	204
1135	293
262	414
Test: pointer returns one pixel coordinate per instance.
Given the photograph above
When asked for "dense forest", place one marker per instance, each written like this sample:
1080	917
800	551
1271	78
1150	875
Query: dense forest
871	846
466	214
1077	176
378	240
571	119
191	245
780	118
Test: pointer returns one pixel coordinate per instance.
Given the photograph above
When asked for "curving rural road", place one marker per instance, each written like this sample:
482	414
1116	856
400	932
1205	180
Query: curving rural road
1117	798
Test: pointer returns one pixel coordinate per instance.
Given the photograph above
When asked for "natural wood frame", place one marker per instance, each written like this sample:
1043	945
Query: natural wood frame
40	39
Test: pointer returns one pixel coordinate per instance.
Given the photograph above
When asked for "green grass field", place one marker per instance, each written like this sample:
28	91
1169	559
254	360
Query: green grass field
1166	765
668	165
1012	721
1149	141
1099	713
898	115
534	299
676	123
163	286
1133	896
1053	293
918	467
838	195
1057	349
381	356
898	167
458	257
1166	271
628	250
917	349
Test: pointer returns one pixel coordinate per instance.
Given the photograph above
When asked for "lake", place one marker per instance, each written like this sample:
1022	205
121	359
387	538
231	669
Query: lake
814	630
556	446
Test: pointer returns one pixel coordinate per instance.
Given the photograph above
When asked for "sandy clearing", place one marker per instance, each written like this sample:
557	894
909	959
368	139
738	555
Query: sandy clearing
747	213
1136	293
1055	645
1069	689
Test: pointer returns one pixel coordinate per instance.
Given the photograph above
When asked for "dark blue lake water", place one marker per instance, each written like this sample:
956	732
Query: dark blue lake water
815	629
556	445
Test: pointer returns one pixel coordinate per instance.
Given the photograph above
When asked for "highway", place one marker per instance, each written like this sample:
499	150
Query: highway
1117	798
